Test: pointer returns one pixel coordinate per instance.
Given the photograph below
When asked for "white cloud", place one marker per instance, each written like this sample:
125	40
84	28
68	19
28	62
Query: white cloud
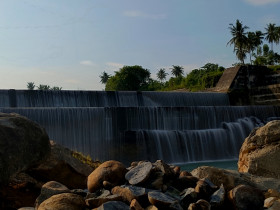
262	2
114	66
87	63
135	13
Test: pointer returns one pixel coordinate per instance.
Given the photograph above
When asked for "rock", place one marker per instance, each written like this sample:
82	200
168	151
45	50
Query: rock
272	193
200	205
113	205
63	167
98	193
95	202
128	193
49	189
160	200
80	192
168	172
259	148
185	173
23	144
151	207
63	201
185	182
26	208
246	197
230	178
177	170
111	171
156	180
134	205
107	185
269	202
204	189
139	174
21	191
175	206
217	198
189	196
275	205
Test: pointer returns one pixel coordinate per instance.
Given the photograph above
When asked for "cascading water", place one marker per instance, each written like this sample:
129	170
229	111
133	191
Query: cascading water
127	126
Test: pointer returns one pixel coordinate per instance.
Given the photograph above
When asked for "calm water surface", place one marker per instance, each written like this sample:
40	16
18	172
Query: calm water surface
225	164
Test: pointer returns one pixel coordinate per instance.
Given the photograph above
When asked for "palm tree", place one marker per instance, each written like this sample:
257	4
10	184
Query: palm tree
239	39
254	41
177	71
104	77
161	74
30	85
272	34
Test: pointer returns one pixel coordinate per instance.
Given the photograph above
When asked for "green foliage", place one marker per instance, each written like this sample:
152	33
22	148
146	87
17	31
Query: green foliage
205	77
177	71
161	74
43	87
85	159
129	78
30	85
104	77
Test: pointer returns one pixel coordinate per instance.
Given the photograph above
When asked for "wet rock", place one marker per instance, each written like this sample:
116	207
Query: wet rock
160	200
49	189
200	205
113	205
259	148
95	202
139	174
23	144
134	205
63	201
188	196
246	197
275	205
111	171
217	198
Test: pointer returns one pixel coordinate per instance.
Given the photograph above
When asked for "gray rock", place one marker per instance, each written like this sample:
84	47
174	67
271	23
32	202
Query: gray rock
218	198
189	196
246	197
23	143
139	174
113	205
49	189
160	200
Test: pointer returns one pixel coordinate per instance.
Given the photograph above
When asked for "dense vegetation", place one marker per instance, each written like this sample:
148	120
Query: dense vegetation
31	86
138	79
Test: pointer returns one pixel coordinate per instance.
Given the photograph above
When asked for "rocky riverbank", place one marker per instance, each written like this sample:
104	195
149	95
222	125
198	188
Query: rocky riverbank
53	177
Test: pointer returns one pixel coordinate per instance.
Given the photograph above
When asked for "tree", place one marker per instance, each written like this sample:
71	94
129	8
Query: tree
30	85
129	78
43	87
177	71
56	88
161	74
104	77
272	34
239	40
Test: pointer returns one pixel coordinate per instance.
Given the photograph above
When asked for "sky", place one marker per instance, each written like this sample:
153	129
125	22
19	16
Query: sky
69	43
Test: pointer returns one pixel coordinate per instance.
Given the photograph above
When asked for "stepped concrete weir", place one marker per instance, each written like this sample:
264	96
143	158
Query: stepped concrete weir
127	126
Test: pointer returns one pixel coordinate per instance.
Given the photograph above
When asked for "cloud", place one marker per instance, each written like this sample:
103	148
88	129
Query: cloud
87	63
135	13
114	66
262	2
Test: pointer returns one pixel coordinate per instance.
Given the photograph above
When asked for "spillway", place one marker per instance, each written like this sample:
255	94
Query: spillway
128	126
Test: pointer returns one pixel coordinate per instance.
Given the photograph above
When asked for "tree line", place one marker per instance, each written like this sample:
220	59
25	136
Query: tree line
250	43
137	78
32	86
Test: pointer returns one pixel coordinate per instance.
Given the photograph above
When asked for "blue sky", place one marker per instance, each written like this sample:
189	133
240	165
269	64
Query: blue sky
68	43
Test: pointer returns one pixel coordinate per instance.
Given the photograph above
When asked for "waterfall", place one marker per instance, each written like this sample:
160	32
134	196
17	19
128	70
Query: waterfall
127	126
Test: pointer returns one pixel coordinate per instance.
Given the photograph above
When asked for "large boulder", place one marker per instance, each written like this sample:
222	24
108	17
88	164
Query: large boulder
63	167
111	171
23	143
231	178
260	152
63	201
